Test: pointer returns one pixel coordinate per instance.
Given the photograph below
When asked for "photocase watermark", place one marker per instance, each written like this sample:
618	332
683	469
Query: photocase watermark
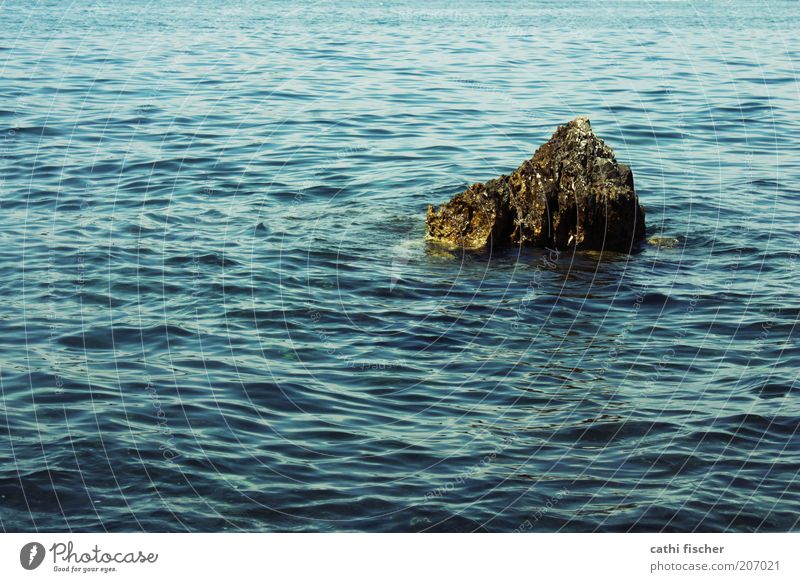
401	255
197	253
499	93
332	162
324	337
52	337
774	313
528	524
500	24
65	558
547	262
613	355
80	258
374	364
162	425
31	555
471	472
350	362
669	353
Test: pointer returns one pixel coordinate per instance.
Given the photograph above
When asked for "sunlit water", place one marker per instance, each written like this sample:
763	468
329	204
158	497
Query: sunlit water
218	310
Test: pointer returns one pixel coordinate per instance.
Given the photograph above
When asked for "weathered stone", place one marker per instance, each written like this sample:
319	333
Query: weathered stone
571	193
479	216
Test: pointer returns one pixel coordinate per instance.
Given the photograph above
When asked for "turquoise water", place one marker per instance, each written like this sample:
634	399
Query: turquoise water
219	312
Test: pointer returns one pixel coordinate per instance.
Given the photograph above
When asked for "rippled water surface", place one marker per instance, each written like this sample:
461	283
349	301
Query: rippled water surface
218	311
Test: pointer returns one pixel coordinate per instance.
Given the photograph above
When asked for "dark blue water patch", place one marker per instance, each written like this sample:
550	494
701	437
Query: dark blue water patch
36	132
109	338
605	432
770	390
251	241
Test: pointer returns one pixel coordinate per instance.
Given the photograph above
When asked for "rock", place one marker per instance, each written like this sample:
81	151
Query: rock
571	193
481	215
664	242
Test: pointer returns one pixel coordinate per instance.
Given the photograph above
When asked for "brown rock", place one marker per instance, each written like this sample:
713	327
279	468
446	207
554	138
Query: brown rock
571	193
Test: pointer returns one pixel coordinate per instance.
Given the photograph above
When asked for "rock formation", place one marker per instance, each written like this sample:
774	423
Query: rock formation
571	193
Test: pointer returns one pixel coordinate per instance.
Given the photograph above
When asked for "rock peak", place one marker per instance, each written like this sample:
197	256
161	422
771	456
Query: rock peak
582	123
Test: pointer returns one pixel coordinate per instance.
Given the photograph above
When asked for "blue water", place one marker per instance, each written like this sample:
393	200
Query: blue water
218	310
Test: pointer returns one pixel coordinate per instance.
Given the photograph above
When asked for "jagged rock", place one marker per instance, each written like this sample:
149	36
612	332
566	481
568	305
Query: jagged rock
571	193
480	215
